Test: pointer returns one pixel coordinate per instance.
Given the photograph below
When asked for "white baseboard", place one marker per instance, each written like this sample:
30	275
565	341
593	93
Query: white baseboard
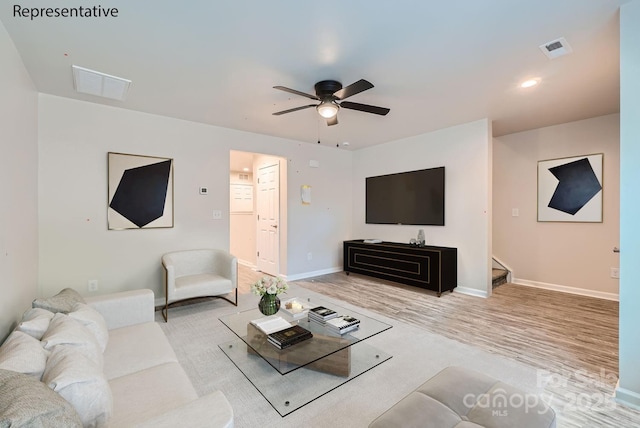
305	275
627	398
565	289
471	292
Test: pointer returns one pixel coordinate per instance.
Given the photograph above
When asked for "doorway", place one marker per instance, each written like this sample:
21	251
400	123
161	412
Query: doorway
257	218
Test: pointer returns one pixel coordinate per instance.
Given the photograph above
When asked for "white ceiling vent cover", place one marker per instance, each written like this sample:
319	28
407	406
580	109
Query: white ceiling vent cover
556	48
99	84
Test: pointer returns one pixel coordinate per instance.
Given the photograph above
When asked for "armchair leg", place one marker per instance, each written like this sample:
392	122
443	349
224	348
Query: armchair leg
165	310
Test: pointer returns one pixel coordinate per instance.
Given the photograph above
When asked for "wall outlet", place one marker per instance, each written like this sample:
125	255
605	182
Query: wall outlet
217	214
92	285
615	272
515	212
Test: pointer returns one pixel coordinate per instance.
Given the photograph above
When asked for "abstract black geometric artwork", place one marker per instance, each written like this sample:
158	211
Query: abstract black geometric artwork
577	184
140	192
570	189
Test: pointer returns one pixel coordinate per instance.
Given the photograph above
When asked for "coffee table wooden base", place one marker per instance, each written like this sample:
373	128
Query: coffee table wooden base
337	363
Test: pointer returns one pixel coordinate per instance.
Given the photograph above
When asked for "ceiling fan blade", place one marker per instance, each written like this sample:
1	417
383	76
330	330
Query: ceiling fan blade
332	120
366	108
278	113
352	89
293	91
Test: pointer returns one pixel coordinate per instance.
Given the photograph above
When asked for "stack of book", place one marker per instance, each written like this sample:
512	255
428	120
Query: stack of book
289	336
343	324
320	314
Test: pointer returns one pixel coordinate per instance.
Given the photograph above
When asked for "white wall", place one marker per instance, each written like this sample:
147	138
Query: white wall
629	388
18	187
75	245
573	257
465	152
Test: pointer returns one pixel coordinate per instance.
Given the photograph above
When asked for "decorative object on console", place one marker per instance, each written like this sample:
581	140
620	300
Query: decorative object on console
570	189
268	287
421	239
140	192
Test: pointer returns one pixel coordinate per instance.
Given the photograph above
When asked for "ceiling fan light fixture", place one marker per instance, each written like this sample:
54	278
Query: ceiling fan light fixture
327	109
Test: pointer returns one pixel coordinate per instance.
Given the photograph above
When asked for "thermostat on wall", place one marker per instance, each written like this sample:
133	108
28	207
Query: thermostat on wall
204	191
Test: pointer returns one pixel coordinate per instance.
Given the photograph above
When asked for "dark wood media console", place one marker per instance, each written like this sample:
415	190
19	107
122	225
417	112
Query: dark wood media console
433	268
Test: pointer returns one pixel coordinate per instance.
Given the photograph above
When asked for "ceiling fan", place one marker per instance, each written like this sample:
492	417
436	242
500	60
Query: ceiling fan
329	92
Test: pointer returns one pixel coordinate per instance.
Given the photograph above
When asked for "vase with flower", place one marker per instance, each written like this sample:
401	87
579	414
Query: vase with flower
268	288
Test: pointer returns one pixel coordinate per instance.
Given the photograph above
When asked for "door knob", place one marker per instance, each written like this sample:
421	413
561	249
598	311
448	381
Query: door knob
274	225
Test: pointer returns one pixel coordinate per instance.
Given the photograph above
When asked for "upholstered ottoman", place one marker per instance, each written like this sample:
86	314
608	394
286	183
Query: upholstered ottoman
462	398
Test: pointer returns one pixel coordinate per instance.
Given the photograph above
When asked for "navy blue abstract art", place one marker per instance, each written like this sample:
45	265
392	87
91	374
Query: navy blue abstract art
570	189
141	185
577	184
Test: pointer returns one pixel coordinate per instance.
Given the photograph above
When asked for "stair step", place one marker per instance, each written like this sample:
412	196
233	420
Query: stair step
499	277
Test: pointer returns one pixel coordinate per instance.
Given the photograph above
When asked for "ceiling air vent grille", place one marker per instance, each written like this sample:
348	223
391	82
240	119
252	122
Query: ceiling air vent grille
556	48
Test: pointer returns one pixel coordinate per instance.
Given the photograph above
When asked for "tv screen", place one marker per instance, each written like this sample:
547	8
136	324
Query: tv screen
414	197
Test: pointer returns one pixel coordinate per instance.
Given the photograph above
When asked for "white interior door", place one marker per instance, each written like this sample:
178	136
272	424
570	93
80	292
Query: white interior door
268	211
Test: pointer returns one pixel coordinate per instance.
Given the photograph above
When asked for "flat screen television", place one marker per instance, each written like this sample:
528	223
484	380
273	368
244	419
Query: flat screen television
414	198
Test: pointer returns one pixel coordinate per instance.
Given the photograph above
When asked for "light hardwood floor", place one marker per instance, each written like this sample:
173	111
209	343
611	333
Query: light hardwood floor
573	339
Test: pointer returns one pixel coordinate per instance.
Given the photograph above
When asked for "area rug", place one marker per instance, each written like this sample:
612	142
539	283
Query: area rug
195	332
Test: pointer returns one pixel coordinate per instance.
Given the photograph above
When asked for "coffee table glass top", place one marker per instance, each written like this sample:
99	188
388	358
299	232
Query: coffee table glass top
323	343
291	378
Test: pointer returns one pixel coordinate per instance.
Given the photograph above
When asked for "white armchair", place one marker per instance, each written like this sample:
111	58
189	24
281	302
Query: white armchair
192	274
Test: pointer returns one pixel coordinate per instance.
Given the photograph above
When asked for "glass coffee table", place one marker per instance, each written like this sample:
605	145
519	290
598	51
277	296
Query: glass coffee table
290	378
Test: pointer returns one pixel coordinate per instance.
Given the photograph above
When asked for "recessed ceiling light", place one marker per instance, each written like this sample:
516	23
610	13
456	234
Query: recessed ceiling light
245	169
346	143
529	83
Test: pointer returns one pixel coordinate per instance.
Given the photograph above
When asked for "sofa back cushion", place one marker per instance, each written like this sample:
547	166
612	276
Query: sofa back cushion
23	354
93	321
65	330
61	302
27	402
35	322
80	381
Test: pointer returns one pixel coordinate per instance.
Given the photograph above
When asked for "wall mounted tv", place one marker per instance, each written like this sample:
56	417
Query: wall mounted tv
414	197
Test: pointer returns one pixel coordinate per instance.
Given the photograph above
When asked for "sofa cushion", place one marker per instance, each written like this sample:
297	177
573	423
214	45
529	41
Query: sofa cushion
27	402
24	354
410	413
475	399
136	348
80	381
61	302
93	321
64	330
149	393
35	322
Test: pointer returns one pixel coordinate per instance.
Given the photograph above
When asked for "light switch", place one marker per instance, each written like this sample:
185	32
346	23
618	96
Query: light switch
515	212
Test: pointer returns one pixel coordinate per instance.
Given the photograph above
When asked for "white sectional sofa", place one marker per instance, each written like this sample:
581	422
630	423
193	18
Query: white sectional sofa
146	384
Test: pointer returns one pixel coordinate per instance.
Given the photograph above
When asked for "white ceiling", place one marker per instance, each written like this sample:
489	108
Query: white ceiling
433	63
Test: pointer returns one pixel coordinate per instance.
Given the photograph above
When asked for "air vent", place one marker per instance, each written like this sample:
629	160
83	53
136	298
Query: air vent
99	84
556	48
